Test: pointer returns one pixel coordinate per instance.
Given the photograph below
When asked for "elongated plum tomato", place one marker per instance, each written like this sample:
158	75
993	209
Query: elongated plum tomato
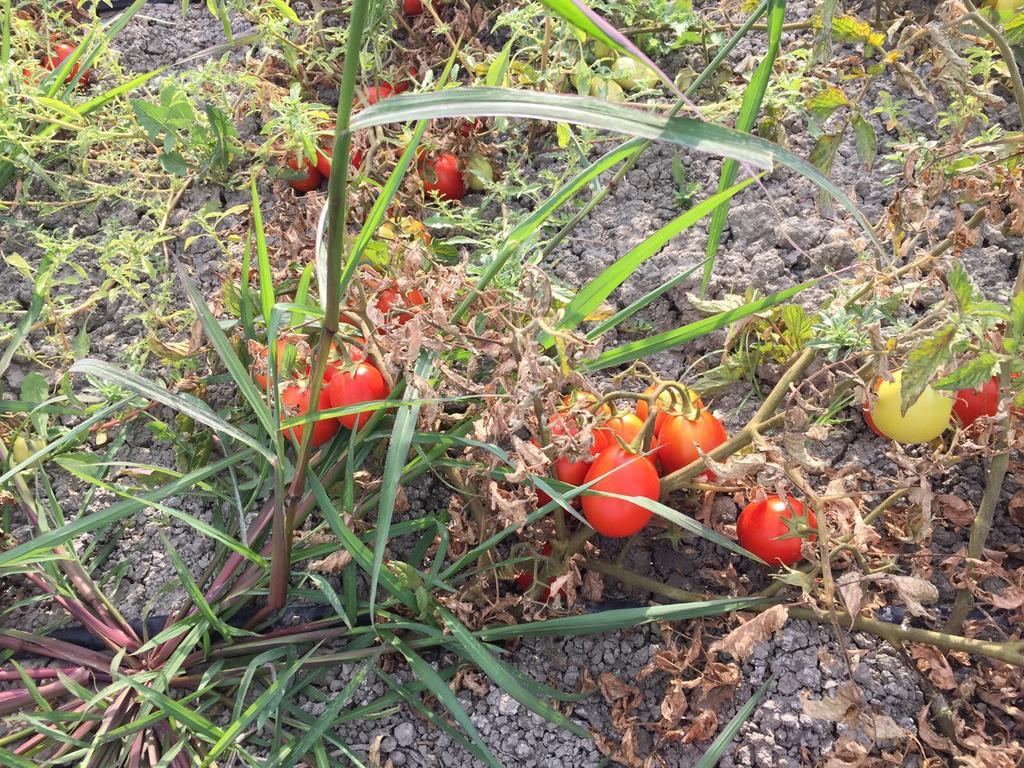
60	52
668	405
680	438
762	523
568	471
627	474
305	183
442	175
626	425
971	404
295	399
391	297
361	383
925	420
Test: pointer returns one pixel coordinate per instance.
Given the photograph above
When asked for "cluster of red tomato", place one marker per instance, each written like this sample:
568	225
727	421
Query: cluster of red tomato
349	380
441	174
683	430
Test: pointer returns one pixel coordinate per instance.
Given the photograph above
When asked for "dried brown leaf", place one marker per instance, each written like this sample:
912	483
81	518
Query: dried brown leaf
703	727
741	641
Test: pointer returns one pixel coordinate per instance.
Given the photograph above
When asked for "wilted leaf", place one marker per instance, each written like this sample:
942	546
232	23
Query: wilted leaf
742	640
914	593
703	727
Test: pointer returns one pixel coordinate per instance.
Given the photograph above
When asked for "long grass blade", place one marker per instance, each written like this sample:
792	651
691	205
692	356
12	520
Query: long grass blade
749	108
710	758
627	353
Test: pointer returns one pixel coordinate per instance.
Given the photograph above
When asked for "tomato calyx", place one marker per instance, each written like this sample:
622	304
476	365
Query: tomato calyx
663	399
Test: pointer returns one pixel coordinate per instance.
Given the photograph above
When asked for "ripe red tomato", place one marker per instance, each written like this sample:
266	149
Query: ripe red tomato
335	361
631	475
324	156
568	471
60	52
680	438
390	296
467	128
443	176
668	405
377	92
295	402
360	383
626	425
305	183
413	7
261	365
761	523
972	403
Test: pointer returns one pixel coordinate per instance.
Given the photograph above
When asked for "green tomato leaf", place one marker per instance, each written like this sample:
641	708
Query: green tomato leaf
867	141
922	363
971	374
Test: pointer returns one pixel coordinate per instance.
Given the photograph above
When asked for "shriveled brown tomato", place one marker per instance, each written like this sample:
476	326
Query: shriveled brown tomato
61	51
681	440
628	474
295	402
305	183
443	176
359	383
972	404
391	297
669	404
625	425
761	525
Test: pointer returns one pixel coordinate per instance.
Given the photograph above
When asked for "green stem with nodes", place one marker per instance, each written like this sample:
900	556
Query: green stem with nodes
1007	53
337	212
1011	653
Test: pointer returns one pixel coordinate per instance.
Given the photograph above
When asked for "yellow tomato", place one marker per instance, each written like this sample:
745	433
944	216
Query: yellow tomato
925	420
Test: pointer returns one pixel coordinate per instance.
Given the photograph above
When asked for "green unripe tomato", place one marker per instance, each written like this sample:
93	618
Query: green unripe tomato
925	420
602	50
606	89
479	173
631	74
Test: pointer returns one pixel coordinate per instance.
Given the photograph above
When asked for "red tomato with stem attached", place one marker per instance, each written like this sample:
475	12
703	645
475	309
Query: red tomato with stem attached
306	183
627	474
391	297
352	385
443	176
971	404
627	426
568	471
680	438
669	404
61	51
295	402
762	523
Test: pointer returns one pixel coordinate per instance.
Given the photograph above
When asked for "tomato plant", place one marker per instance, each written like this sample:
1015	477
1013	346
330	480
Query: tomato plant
631	475
627	426
681	440
61	51
391	297
668	404
295	402
361	382
443	176
925	420
305	183
971	404
763	524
